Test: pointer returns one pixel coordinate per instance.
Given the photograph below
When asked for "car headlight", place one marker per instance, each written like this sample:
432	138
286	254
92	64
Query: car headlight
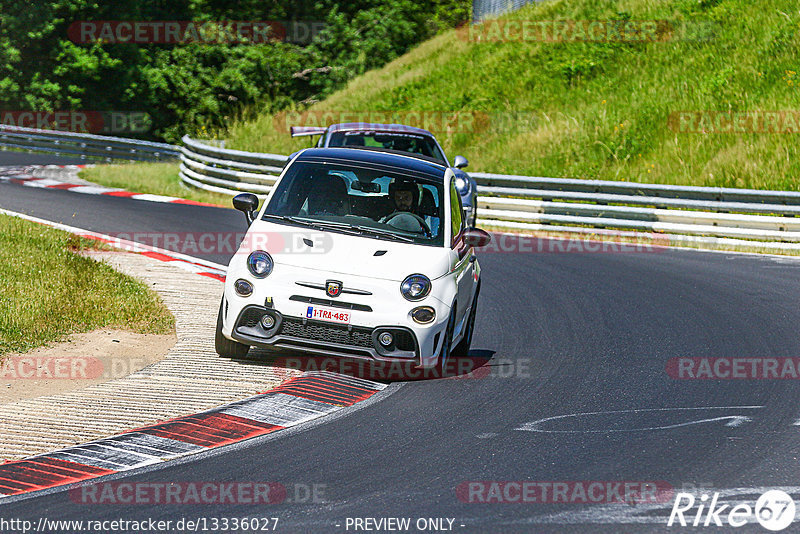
415	287
260	264
462	185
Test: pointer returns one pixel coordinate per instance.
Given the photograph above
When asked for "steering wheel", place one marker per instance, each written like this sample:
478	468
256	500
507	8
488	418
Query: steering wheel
422	224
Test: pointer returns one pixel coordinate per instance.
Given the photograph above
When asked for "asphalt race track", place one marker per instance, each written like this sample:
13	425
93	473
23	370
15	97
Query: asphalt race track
586	336
124	218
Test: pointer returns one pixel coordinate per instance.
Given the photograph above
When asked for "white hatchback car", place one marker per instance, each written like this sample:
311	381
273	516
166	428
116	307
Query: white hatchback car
355	254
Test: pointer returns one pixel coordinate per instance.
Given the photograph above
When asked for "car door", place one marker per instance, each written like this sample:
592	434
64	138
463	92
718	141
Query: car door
463	266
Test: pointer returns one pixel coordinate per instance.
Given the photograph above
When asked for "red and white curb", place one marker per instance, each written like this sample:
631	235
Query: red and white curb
24	176
309	396
182	261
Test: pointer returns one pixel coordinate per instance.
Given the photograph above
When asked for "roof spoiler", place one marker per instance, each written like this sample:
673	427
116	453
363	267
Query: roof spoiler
300	131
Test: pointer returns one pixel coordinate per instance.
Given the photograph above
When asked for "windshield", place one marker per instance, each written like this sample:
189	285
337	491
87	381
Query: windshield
353	199
399	141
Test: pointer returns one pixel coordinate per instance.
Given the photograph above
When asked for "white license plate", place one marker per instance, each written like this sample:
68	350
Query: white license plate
327	314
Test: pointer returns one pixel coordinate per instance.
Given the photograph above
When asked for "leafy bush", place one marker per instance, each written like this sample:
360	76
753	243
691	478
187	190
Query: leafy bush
195	88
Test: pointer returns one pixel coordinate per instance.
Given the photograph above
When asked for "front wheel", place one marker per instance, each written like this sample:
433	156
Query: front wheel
224	346
447	345
462	349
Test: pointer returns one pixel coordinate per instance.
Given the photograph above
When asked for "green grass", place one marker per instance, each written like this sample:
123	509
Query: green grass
597	110
47	291
153	178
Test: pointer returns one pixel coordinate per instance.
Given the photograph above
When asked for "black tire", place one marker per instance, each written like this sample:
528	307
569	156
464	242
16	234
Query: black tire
447	345
224	346
462	349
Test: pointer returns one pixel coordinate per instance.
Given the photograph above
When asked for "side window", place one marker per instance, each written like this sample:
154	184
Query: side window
455	210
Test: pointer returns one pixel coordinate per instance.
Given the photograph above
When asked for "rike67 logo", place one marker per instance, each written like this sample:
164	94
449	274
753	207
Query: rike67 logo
774	510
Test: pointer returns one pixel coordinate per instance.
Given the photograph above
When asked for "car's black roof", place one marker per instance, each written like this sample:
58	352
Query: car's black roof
397	162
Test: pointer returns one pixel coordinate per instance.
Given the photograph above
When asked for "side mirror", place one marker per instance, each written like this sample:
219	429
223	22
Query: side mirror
248	204
460	162
475	237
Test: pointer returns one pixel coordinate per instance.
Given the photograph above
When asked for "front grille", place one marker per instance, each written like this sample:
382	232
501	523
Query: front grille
250	317
331	303
358	337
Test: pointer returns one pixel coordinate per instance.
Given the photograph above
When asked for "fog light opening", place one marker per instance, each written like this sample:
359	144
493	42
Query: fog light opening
268	321
423	315
386	339
243	288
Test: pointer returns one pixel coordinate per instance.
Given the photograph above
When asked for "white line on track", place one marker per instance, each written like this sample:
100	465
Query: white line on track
189	263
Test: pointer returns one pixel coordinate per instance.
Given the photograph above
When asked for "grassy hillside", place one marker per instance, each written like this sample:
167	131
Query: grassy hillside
599	109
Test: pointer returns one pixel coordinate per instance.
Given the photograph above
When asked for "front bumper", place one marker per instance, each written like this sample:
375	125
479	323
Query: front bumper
323	338
373	304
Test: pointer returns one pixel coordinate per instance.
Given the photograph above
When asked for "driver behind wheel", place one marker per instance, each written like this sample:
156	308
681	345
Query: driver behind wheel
404	195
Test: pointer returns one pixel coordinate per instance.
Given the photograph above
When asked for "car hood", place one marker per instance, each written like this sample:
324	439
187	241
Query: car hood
345	254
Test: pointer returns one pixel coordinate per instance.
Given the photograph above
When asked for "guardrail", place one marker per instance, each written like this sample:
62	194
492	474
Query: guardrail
757	217
227	171
85	145
563	204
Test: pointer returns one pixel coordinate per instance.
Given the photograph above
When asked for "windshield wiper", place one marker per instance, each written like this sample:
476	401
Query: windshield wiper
370	230
295	220
343	227
329	225
384	233
316	225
